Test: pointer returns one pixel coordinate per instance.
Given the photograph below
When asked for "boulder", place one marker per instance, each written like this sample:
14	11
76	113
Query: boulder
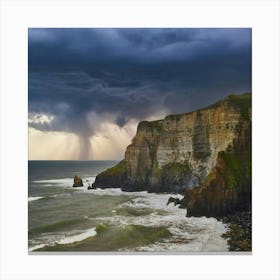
173	199
78	182
92	187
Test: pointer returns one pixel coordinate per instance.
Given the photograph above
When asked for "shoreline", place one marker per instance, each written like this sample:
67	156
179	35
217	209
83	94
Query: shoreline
238	226
239	231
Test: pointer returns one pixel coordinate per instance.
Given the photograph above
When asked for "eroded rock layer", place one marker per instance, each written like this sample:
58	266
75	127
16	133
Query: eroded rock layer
206	153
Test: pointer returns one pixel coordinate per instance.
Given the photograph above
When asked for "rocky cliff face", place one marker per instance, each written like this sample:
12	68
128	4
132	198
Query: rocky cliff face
201	152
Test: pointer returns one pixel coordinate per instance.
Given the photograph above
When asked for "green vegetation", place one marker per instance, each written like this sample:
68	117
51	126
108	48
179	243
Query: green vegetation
118	169
174	173
175	169
242	102
209	177
155	126
236	170
174	117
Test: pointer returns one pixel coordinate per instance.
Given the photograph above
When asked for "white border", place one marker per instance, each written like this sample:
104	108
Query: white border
17	16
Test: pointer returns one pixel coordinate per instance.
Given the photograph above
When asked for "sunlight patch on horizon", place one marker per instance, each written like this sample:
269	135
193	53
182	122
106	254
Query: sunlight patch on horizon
52	145
110	142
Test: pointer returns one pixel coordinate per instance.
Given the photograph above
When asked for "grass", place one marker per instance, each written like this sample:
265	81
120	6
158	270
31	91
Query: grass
176	168
120	168
209	177
236	170
155	126
174	117
242	103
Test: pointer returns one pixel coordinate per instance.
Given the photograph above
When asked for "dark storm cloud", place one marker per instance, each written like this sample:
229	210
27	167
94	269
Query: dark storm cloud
132	73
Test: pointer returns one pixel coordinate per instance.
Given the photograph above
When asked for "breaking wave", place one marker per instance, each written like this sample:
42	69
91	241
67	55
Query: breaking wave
33	198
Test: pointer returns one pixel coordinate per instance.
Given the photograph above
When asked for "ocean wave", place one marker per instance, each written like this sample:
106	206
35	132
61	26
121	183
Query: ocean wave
188	234
192	234
79	237
58	226
33	198
60	195
36	247
115	192
65	240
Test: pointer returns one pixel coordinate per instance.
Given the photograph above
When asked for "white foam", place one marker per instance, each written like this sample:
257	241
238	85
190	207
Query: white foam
215	240
61	195
64	182
187	234
115	192
36	247
79	237
55	181
32	198
109	191
51	240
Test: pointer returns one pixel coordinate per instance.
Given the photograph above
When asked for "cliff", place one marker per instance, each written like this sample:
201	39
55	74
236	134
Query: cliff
205	154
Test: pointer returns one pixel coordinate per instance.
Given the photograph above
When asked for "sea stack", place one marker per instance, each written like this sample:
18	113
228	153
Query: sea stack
78	182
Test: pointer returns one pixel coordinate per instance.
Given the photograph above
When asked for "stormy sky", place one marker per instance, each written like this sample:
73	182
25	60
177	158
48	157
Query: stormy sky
89	88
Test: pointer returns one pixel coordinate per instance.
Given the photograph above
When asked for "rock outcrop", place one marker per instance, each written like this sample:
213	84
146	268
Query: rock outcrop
205	154
173	200
78	182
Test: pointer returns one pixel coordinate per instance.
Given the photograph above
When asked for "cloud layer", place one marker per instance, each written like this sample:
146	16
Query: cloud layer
80	79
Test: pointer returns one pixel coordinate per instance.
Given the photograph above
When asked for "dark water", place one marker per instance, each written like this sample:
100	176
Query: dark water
62	218
44	170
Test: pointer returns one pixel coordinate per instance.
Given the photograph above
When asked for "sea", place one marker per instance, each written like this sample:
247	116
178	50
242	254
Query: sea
66	219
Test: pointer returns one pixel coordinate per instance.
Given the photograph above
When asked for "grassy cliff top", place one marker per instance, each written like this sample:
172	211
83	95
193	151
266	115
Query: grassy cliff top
242	102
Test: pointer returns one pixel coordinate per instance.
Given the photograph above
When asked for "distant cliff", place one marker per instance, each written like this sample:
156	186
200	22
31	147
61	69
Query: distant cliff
205	154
